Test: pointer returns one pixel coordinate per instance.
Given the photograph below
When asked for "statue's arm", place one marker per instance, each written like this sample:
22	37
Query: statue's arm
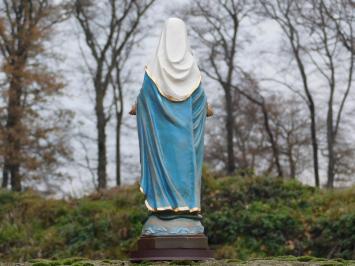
209	110
133	110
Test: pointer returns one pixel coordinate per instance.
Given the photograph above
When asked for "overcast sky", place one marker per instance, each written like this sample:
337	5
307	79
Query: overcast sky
262	55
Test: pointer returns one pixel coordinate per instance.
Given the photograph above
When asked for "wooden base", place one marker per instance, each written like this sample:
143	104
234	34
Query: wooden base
154	248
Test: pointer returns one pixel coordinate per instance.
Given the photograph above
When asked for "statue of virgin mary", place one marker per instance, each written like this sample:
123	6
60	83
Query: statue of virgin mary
171	111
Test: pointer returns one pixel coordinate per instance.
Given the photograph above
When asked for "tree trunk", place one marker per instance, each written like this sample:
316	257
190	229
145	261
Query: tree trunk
330	120
330	144
119	113
314	146
331	175
5	177
118	154
274	147
230	100
312	111
15	177
13	145
291	162
101	139
229	127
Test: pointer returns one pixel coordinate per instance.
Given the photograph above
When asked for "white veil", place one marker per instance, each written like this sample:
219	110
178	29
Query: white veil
173	68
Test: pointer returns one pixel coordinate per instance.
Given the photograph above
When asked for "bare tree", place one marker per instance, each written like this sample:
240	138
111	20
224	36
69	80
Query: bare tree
326	28
252	151
320	34
251	85
290	124
109	27
280	12
265	127
217	26
250	140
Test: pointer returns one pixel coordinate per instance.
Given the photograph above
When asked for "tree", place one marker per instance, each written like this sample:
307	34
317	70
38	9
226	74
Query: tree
258	99
290	125
326	26
250	140
217	27
279	11
263	125
109	27
33	134
320	35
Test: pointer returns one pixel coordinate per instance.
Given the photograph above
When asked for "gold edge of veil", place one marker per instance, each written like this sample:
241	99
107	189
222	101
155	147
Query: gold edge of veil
185	208
169	97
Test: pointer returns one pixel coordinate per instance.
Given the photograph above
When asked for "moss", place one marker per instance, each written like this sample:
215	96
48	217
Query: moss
107	261
44	262
83	264
70	261
286	258
305	258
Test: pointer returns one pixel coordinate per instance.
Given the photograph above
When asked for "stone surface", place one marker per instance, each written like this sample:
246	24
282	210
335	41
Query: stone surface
153	248
149	242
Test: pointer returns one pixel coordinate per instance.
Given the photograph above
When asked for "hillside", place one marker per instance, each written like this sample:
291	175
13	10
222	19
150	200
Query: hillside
245	217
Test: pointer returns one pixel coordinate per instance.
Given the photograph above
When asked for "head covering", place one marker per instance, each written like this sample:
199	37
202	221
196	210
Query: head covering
173	69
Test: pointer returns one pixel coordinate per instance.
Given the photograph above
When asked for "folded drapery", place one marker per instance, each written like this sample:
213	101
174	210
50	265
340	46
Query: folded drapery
171	138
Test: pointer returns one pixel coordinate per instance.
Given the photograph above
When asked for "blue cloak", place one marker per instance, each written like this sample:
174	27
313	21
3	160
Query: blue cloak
171	136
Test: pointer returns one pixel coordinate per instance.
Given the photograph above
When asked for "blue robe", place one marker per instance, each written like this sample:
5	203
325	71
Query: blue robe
171	142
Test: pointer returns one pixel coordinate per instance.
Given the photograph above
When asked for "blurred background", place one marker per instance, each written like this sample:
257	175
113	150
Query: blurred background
279	150
279	76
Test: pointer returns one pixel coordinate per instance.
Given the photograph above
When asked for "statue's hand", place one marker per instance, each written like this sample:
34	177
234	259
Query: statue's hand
209	110
133	110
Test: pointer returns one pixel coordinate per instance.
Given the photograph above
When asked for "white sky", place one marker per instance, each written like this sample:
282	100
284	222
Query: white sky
262	56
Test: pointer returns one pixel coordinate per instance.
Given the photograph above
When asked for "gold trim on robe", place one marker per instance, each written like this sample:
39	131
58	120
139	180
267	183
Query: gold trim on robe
185	208
169	97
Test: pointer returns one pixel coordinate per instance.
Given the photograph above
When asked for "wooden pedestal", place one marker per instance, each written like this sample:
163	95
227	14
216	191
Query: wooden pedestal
194	247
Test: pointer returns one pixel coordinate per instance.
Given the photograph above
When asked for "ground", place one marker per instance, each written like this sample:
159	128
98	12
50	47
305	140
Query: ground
282	261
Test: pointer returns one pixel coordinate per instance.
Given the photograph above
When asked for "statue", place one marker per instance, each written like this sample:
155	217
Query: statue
171	111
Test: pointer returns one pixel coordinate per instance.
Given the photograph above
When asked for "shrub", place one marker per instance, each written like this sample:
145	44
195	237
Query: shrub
244	217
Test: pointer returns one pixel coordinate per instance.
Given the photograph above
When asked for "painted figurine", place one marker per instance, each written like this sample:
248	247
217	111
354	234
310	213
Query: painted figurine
171	111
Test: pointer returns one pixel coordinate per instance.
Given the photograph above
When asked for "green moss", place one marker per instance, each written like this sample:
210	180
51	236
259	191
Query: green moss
305	258
70	261
44	262
83	264
286	258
